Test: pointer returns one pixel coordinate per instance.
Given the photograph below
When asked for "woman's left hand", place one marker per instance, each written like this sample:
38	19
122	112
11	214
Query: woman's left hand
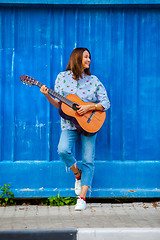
83	109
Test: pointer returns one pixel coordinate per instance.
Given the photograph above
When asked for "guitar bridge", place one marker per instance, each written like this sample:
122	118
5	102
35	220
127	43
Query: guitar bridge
91	116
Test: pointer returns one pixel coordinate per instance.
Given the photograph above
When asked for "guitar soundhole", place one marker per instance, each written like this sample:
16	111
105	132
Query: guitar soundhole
74	106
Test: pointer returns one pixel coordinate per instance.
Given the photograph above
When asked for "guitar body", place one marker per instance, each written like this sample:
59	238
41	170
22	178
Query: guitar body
87	124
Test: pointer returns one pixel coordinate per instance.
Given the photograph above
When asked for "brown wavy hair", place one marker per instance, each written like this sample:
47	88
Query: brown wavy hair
75	63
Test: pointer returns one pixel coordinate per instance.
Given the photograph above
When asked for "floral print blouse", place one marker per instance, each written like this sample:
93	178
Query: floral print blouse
88	88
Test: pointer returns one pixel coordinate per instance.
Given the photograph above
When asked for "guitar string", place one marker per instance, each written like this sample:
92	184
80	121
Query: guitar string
57	95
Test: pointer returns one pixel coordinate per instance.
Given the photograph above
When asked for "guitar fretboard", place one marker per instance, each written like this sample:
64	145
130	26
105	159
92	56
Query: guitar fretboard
57	95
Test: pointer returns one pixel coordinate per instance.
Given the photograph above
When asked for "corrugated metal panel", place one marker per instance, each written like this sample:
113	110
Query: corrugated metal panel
124	43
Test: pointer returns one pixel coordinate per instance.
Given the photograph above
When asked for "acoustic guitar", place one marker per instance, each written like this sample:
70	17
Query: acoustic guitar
87	124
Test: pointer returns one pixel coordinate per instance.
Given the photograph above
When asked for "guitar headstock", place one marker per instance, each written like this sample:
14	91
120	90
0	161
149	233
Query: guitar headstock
28	80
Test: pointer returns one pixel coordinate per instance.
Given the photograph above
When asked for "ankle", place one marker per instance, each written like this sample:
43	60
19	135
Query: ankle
78	175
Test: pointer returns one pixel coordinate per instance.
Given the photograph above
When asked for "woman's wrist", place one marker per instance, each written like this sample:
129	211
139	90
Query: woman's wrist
96	107
46	94
93	107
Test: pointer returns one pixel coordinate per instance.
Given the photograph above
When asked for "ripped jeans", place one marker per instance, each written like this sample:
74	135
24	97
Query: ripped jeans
67	140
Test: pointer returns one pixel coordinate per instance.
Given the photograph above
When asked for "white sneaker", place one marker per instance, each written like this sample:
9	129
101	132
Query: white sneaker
80	205
78	187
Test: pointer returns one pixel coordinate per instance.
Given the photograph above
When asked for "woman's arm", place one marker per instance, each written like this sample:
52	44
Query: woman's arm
85	108
53	101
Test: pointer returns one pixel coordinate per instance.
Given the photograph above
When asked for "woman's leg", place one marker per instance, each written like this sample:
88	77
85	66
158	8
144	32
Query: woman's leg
84	191
88	156
67	140
75	170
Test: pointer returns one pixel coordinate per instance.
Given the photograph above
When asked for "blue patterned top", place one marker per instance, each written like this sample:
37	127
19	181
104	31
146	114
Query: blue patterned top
88	88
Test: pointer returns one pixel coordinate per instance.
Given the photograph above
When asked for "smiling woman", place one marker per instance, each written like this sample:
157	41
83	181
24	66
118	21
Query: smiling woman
86	59
79	62
77	79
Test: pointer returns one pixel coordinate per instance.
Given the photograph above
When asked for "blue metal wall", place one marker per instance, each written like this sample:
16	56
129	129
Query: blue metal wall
124	42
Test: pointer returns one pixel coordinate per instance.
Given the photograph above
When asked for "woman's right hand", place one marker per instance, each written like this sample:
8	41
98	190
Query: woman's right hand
44	90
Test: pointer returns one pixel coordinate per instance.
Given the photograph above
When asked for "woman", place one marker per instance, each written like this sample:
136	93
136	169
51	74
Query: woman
77	79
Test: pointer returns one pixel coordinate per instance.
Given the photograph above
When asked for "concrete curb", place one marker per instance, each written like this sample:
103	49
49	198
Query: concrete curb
39	235
84	234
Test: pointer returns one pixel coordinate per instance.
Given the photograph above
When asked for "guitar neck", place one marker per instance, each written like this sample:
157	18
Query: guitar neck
57	95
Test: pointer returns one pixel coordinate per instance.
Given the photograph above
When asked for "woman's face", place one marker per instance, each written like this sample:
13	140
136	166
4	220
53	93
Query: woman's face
86	59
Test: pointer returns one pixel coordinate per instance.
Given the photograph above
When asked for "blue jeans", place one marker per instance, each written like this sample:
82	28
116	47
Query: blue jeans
65	146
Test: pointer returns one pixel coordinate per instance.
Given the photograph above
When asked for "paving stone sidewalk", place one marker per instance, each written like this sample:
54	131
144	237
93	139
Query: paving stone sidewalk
97	215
